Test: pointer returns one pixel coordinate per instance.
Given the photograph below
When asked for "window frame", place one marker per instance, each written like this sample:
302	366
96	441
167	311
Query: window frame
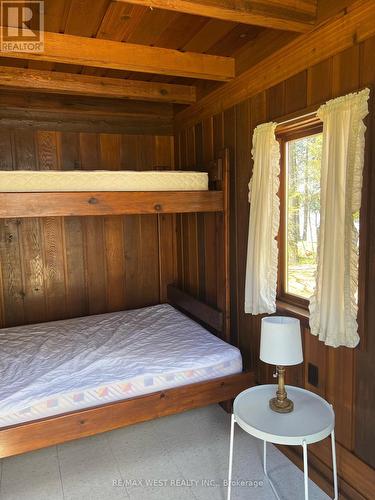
285	133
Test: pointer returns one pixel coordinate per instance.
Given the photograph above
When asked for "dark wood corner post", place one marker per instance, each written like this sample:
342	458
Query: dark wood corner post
219	176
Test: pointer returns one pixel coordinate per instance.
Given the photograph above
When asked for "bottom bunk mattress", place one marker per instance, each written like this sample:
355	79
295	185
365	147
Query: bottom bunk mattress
62	366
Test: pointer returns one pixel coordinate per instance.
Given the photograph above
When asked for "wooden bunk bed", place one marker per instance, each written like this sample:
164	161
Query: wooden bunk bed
52	430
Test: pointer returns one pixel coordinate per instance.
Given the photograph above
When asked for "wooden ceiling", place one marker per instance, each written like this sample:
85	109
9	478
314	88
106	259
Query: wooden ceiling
172	54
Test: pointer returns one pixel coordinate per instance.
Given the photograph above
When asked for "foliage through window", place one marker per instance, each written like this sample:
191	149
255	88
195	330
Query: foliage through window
300	213
303	207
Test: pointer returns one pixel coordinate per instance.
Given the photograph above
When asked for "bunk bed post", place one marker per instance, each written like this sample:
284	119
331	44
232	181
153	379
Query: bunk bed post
220	174
219	179
226	229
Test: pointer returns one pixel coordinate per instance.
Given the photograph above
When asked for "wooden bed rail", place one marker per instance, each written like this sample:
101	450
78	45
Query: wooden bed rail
13	205
61	428
198	310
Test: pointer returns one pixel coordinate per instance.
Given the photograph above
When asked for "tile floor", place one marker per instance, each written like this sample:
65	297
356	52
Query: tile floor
153	460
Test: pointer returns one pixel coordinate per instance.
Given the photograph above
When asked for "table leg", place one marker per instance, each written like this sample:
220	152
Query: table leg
230	456
265	457
334	465
305	470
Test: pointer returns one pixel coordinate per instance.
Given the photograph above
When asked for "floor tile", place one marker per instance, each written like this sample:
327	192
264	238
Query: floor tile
89	470
179	457
33	475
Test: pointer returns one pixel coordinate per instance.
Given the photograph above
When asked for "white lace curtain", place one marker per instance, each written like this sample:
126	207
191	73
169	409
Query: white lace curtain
262	251
333	306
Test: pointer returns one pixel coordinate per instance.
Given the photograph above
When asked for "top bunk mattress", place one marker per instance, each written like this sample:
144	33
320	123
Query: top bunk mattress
19	181
62	366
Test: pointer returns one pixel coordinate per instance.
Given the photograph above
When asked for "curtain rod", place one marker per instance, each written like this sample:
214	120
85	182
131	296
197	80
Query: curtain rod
312	113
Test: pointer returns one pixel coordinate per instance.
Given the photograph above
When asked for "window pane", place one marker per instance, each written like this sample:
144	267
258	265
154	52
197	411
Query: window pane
302	221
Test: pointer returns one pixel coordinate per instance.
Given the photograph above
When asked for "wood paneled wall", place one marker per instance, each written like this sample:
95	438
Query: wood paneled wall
58	267
345	375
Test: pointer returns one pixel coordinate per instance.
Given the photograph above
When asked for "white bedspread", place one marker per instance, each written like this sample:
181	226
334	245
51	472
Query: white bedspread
51	368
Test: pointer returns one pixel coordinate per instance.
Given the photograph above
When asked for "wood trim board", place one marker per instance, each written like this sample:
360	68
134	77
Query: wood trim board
108	203
61	428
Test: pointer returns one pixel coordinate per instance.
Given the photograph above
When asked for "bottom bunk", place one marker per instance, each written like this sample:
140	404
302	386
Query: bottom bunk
73	378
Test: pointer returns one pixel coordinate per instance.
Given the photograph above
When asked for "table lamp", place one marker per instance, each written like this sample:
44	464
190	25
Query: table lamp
280	345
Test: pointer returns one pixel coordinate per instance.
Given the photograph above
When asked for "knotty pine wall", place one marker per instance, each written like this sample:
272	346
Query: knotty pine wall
59	267
345	375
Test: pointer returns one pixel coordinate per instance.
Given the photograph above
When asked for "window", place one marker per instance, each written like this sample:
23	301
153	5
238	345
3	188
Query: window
301	151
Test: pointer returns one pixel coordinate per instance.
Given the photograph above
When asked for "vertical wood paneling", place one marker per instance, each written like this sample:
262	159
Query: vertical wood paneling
129	157
345	375
145	151
149	253
6	149
296	92
340	362
110	151
164	152
93	230
115	262
200	161
133	262
319	82
51	233
258	115
243	142
229	133
189	253
54	267
12	284
345	71
367	66
31	241
110	159
76	291
24	150
276	101
315	353
364	430
46	145
167	252
209	223
33	271
69	157
95	270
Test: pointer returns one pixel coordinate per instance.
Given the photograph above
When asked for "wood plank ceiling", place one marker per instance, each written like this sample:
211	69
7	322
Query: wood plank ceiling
177	27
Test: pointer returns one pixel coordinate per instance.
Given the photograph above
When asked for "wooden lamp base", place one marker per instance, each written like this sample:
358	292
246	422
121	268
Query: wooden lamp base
281	403
284	406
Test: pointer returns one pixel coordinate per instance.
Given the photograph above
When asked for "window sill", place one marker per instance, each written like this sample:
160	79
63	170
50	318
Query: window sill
291	310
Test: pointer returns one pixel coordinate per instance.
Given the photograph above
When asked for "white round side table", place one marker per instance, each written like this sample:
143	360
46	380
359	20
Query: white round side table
311	420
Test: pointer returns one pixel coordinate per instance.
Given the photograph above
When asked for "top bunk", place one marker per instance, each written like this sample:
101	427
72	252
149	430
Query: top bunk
79	193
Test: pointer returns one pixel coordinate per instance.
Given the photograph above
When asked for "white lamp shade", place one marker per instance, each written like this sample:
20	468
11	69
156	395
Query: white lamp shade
280	342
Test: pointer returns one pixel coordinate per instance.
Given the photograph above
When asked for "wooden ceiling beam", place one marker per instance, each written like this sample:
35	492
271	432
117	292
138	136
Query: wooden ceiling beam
288	15
328	39
73	84
100	53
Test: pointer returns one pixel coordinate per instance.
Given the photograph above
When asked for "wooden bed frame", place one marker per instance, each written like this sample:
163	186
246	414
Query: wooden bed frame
57	429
